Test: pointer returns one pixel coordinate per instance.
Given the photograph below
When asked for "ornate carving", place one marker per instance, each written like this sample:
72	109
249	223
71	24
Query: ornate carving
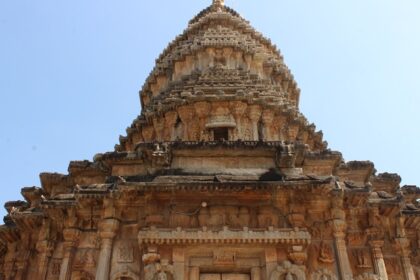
125	253
288	271
55	268
392	266
85	258
224	257
362	258
125	273
267	217
324	274
367	276
217	216
326	254
271	236
82	275
155	268
162	155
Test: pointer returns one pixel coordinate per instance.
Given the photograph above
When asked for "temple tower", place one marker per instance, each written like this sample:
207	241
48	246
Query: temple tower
220	177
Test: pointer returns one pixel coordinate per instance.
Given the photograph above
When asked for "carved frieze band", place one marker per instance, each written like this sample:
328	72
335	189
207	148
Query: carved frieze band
179	236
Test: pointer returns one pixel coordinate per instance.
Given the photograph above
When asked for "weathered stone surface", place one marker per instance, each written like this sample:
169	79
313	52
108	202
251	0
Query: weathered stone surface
220	177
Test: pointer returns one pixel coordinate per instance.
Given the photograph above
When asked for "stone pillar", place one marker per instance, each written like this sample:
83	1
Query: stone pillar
170	121
159	125
194	273
186	114
71	236
378	258
341	249
179	263
254	115
256	273
108	230
404	246
268	117
270	261
339	227
238	109
202	110
45	249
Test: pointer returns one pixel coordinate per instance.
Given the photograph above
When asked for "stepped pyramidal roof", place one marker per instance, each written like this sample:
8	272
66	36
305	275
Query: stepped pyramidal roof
220	177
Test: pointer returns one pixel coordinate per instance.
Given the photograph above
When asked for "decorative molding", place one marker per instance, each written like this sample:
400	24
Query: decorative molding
324	274
288	271
225	236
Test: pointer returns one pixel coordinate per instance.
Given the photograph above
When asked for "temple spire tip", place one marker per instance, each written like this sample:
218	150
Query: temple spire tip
218	3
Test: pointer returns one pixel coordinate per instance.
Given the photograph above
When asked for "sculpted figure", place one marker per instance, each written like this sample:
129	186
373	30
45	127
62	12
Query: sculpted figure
324	274
289	276
362	259
162	276
326	253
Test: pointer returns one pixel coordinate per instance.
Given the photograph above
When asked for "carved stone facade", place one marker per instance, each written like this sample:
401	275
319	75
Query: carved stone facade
220	177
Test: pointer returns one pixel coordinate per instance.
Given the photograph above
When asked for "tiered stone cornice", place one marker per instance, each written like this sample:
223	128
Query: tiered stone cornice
233	42
225	236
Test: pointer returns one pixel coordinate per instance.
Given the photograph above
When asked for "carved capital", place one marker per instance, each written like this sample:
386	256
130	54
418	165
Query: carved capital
238	108
170	118
108	228
254	112
148	133
268	116
339	227
45	247
202	109
71	234
186	113
403	246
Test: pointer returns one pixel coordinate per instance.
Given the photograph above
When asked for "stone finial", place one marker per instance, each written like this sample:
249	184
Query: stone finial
218	3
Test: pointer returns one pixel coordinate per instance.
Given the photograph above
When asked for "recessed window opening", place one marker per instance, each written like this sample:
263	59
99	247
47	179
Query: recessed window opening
220	134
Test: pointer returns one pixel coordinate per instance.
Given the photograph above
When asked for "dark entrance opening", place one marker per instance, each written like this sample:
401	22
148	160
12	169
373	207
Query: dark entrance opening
220	134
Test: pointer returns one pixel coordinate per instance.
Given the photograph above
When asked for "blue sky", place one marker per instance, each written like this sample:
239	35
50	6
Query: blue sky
70	72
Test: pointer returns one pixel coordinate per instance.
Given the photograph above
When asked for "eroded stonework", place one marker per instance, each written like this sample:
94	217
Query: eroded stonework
220	177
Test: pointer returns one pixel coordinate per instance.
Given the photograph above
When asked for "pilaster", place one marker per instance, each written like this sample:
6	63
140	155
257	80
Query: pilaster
256	273
186	114
71	238
238	109
378	258
339	227
170	121
267	118
45	249
404	246
254	114
270	261
107	231
194	273
179	263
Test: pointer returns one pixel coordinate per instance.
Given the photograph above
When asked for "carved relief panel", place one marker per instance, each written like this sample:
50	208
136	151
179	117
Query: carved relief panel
192	216
288	271
216	216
